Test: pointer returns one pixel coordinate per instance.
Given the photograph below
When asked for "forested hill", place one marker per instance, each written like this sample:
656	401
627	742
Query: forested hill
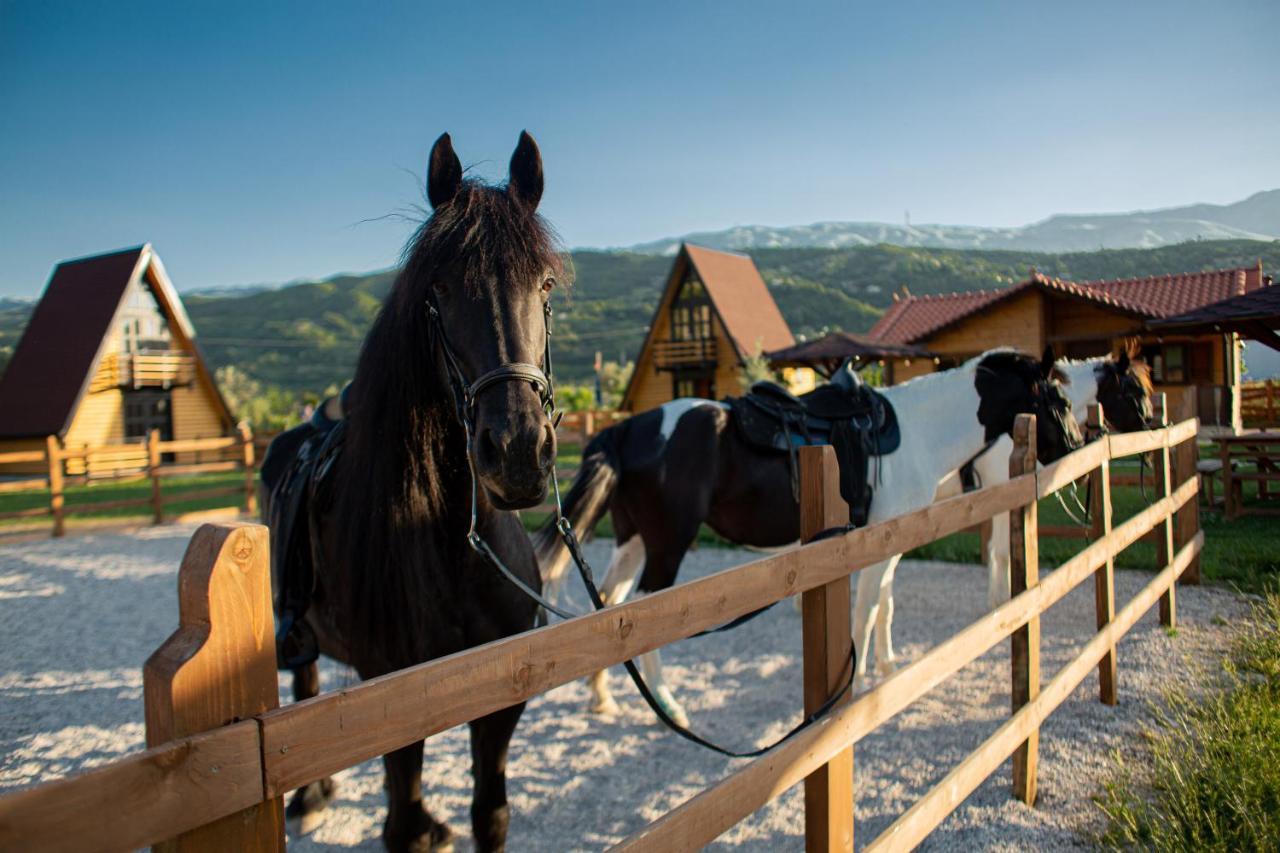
305	337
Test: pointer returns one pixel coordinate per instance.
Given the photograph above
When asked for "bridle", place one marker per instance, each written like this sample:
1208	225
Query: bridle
464	402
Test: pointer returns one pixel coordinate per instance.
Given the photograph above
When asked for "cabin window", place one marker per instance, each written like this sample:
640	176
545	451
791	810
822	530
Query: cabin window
143	327
1168	363
145	411
691	313
693	385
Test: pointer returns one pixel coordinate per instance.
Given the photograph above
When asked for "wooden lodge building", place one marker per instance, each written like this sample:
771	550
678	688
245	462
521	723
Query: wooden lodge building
1082	320
108	355
715	312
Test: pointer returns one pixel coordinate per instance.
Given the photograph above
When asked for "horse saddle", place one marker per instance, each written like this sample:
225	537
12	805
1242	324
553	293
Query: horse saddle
295	476
855	419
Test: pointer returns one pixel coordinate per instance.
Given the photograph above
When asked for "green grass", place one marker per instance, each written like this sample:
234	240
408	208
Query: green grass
100	492
1213	778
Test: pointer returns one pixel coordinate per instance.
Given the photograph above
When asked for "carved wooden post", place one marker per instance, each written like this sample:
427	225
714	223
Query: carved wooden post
246	448
1187	521
1164	532
1024	573
1104	578
219	667
153	470
828	641
53	454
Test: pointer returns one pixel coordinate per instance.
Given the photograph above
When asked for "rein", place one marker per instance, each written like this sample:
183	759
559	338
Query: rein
464	400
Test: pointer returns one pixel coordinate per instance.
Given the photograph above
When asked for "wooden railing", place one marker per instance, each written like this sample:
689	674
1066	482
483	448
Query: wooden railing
145	370
231	453
1260	403
219	747
667	354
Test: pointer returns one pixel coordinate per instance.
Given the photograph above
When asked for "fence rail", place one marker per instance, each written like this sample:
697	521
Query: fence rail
1260	403
200	779
150	462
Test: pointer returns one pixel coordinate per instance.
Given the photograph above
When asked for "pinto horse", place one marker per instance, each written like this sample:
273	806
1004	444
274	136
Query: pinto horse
665	472
448	432
1121	384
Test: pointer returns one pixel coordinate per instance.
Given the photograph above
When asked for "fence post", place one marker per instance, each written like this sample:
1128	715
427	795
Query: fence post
53	453
828	644
588	427
246	447
1104	578
1164	532
1187	521
1024	571
153	471
218	667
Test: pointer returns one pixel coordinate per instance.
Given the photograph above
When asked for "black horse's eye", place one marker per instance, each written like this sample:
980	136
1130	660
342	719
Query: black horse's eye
548	285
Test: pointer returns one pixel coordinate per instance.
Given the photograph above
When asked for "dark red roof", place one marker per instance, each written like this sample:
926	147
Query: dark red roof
742	300
917	317
54	359
1261	305
837	346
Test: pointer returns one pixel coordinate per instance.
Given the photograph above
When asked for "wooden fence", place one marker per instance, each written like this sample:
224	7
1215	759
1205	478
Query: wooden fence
222	755
1260	403
231	453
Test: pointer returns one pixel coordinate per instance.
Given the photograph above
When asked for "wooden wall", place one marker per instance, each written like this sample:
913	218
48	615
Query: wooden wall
195	415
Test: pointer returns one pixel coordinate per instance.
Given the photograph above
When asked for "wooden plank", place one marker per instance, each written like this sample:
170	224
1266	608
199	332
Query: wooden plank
828	641
1070	468
153	471
246	460
202	494
25	485
318	737
943	798
1162	468
701	819
1130	443
1185	453
25	513
103	506
191	445
53	453
17	457
1187	429
1104	596
219	667
188	469
1024	573
141	799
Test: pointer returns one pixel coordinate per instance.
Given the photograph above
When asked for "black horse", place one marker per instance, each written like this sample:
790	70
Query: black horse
372	561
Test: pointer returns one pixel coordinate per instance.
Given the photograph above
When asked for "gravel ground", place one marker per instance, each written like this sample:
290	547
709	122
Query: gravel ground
78	616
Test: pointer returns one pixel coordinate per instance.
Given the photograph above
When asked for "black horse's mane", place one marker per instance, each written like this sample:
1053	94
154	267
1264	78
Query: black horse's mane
402	494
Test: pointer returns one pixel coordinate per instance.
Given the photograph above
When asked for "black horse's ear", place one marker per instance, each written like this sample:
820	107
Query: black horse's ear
525	182
1122	363
444	172
1047	362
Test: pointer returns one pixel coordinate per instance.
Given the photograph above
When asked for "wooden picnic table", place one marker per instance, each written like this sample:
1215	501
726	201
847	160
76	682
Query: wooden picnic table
1250	457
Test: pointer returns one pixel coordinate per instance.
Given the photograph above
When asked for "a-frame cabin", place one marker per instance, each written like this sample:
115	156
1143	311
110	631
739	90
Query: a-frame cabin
108	355
715	312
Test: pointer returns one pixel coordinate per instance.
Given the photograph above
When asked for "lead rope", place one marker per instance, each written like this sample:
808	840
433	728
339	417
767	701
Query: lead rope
463	400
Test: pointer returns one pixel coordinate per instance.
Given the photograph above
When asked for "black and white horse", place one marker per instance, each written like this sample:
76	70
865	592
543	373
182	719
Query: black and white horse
1121	384
665	472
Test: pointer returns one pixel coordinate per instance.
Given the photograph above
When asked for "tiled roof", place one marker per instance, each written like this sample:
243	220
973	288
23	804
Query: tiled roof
1262	304
742	300
916	317
842	345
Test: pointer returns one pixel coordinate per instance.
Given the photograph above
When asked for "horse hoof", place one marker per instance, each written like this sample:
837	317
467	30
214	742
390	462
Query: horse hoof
859	684
605	707
886	667
307	808
672	708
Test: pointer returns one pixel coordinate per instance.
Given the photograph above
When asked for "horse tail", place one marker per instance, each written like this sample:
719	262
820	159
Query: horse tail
584	505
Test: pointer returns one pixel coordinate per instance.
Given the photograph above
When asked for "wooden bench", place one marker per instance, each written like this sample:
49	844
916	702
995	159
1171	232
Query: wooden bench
1260	452
1207	469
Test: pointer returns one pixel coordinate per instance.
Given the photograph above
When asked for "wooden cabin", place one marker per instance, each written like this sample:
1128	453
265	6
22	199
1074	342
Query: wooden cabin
1082	320
108	355
715	313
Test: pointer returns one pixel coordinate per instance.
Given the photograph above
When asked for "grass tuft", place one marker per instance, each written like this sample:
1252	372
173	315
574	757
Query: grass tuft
1213	782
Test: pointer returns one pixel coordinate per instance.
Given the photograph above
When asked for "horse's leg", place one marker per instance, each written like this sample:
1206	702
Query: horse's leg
409	826
998	561
624	568
885	664
490	737
308	803
660	567
866	609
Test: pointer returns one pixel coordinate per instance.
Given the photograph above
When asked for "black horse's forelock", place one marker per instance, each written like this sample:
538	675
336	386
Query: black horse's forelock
399	523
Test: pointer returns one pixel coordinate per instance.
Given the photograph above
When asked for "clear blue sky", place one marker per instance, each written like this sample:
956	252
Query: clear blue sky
263	142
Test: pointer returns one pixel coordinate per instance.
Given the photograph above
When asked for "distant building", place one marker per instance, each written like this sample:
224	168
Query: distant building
1086	319
108	355
715	313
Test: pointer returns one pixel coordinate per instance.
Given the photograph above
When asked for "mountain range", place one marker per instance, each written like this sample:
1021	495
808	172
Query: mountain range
1255	218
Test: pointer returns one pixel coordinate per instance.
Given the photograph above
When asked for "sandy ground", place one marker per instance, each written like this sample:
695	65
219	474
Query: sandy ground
78	616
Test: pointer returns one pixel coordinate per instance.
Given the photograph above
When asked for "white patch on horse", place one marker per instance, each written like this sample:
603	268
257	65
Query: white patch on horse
675	410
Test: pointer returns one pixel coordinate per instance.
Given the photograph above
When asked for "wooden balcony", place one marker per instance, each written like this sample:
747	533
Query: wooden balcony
145	370
669	355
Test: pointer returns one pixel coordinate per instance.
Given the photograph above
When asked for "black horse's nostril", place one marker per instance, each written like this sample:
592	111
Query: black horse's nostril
547	447
488	451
